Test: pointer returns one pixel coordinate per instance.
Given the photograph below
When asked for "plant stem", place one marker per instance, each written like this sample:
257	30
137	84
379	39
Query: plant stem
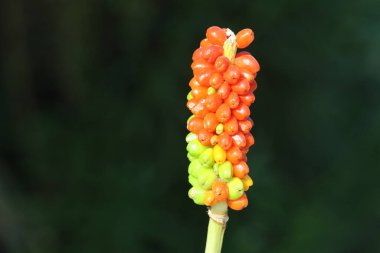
216	229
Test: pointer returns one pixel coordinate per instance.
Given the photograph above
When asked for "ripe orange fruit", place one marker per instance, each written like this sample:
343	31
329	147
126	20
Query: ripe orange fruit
244	38
223	113
216	35
238	204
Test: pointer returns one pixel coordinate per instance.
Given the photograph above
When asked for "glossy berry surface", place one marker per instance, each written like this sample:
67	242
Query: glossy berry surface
221	93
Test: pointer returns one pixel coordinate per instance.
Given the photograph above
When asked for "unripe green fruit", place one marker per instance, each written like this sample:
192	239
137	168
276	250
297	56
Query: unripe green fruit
207	158
235	188
193	181
219	128
196	168
190	157
225	170
190	137
189	96
206	178
210	90
195	148
197	194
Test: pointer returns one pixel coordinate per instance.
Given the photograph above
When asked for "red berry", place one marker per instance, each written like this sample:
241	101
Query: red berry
223	113
241	112
244	38
232	74
225	141
216	35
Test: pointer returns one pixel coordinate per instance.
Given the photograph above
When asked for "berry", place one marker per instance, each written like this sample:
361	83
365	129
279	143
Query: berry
239	203
223	113
244	38
220	191
216	35
232	74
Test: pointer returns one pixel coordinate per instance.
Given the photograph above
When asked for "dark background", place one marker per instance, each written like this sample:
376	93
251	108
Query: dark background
93	121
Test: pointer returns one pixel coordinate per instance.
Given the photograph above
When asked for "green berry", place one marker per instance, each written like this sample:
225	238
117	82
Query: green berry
190	157
193	181
219	128
235	188
207	158
211	90
206	178
225	170
190	137
189	96
197	195
195	168
195	148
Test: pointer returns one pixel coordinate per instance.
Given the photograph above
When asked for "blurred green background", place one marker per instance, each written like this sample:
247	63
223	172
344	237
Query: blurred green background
93	121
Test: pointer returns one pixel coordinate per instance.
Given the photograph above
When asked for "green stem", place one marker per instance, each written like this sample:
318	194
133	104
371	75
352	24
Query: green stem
216	229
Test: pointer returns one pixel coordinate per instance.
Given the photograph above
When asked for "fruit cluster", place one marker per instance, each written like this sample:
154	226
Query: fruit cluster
219	139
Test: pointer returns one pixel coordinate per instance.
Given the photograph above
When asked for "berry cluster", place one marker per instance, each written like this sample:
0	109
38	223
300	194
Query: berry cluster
219	139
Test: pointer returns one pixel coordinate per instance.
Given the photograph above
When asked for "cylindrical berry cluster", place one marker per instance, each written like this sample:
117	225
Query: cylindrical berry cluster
219	139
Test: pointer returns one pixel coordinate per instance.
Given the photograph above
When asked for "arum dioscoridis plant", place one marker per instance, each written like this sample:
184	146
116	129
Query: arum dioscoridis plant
219	139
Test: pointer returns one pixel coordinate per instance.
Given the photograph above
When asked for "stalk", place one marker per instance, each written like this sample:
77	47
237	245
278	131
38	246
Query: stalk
216	227
218	213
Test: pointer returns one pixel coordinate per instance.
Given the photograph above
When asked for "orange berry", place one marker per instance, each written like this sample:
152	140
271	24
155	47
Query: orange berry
199	92
199	66
209	198
213	102
240	169
241	112
224	90
191	103
241	87
239	140
199	109
231	127
225	141
247	75
221	63
216	80
247	62
249	140
244	38
214	140
238	204
233	100
197	54
232	74
195	124
247	99
211	53
234	155
223	113
253	86
194	83
245	125
210	122
242	53
205	43
220	190
204	77
216	35
204	137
